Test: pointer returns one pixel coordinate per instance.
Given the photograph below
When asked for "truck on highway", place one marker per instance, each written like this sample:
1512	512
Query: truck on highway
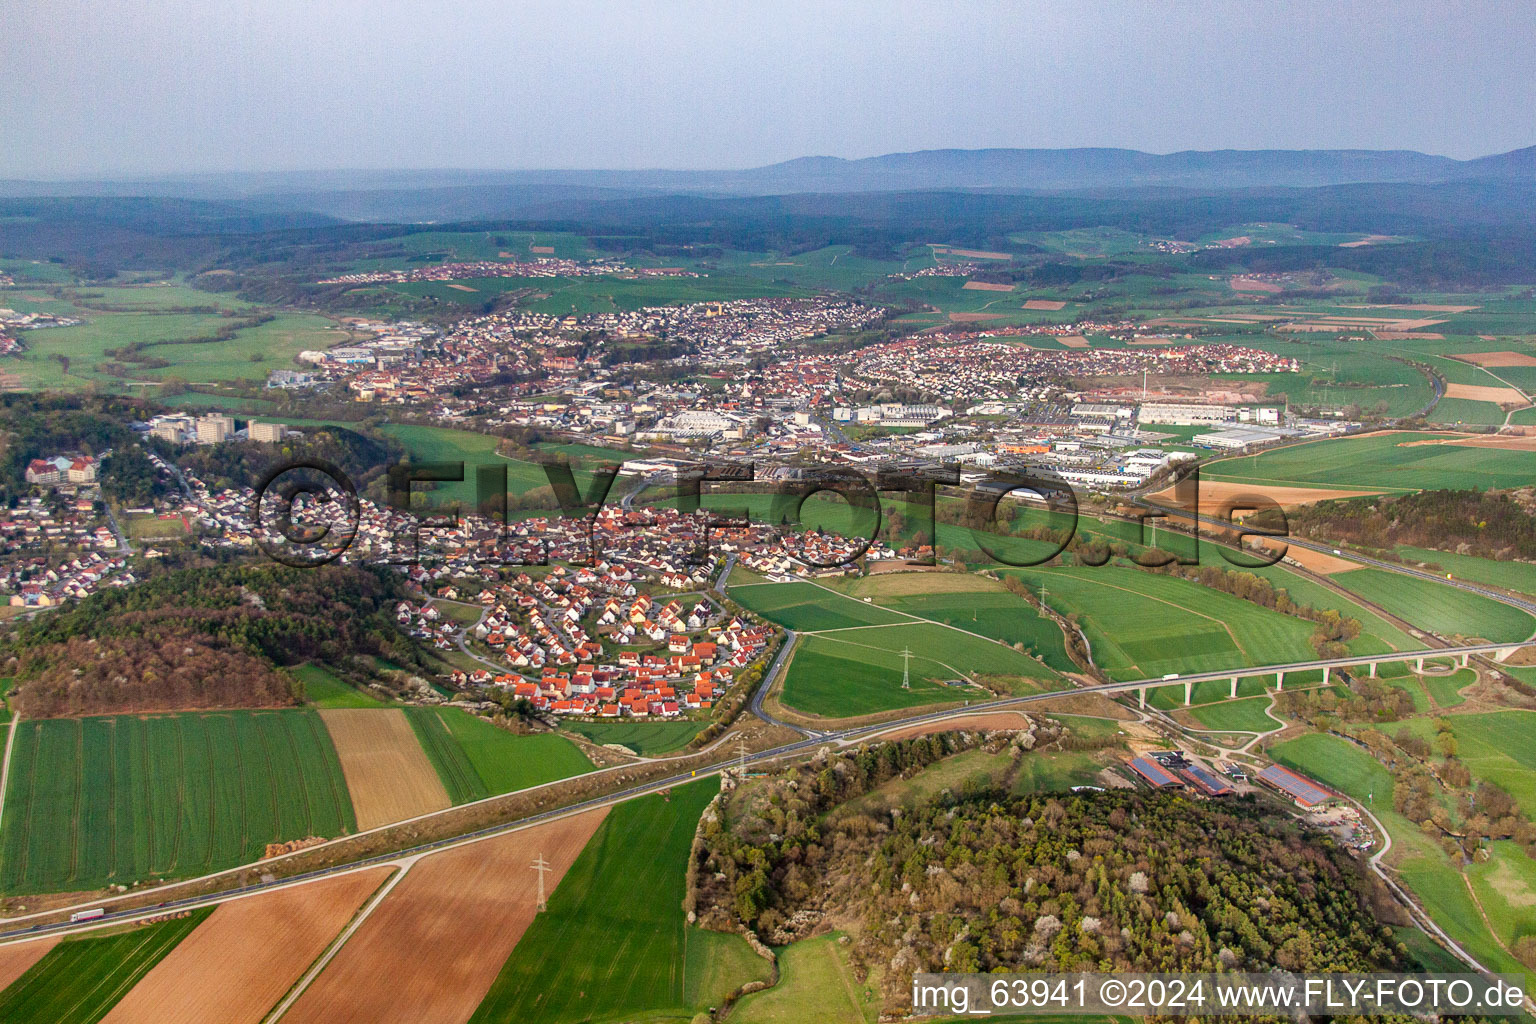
87	915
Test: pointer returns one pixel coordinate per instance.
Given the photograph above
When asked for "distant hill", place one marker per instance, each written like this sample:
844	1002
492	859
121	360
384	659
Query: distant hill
453	195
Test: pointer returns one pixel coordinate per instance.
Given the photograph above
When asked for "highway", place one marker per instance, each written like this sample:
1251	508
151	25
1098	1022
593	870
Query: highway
810	741
1328	549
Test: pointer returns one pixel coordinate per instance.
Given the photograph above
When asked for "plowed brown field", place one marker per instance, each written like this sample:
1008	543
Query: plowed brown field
237	964
430	951
16	958
388	774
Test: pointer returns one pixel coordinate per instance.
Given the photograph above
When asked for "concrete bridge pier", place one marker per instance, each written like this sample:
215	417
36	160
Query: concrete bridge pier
1189	694
1279	680
1234	686
1325	675
1464	659
1373	670
1143	693
1418	664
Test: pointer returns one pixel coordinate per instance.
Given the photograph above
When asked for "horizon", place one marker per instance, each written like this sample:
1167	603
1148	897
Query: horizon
165	176
290	87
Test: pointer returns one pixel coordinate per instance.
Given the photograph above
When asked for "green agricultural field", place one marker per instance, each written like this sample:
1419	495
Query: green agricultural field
150	298
858	671
1142	625
1338	377
475	759
1442	890
815	984
1458	412
1429	954
80	980
838	680
125	798
1247	715
1377	635
614	944
324	689
1383	462
645	738
1516	576
805	607
1442	609
997	614
834	268
424	248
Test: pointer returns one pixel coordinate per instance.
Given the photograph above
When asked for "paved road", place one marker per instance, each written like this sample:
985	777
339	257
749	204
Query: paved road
725	574
117	531
811	740
769	677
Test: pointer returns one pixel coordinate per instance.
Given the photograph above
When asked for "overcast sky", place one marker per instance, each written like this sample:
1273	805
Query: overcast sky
146	86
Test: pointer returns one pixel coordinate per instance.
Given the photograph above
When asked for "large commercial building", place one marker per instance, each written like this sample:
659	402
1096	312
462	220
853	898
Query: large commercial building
1298	787
213	428
1185	414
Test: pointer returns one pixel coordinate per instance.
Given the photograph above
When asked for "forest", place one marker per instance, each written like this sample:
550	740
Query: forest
202	637
1472	233
234	464
979	881
1488	524
39	426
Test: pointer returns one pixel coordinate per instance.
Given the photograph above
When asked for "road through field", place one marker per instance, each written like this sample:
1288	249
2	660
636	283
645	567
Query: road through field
429	950
237	964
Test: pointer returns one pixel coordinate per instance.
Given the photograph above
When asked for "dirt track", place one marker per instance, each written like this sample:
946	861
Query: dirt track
430	951
388	774
237	964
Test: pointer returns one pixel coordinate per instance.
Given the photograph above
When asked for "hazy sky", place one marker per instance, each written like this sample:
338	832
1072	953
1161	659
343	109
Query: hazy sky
133	86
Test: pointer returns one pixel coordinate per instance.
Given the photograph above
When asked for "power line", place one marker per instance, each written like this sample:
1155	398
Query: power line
541	865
